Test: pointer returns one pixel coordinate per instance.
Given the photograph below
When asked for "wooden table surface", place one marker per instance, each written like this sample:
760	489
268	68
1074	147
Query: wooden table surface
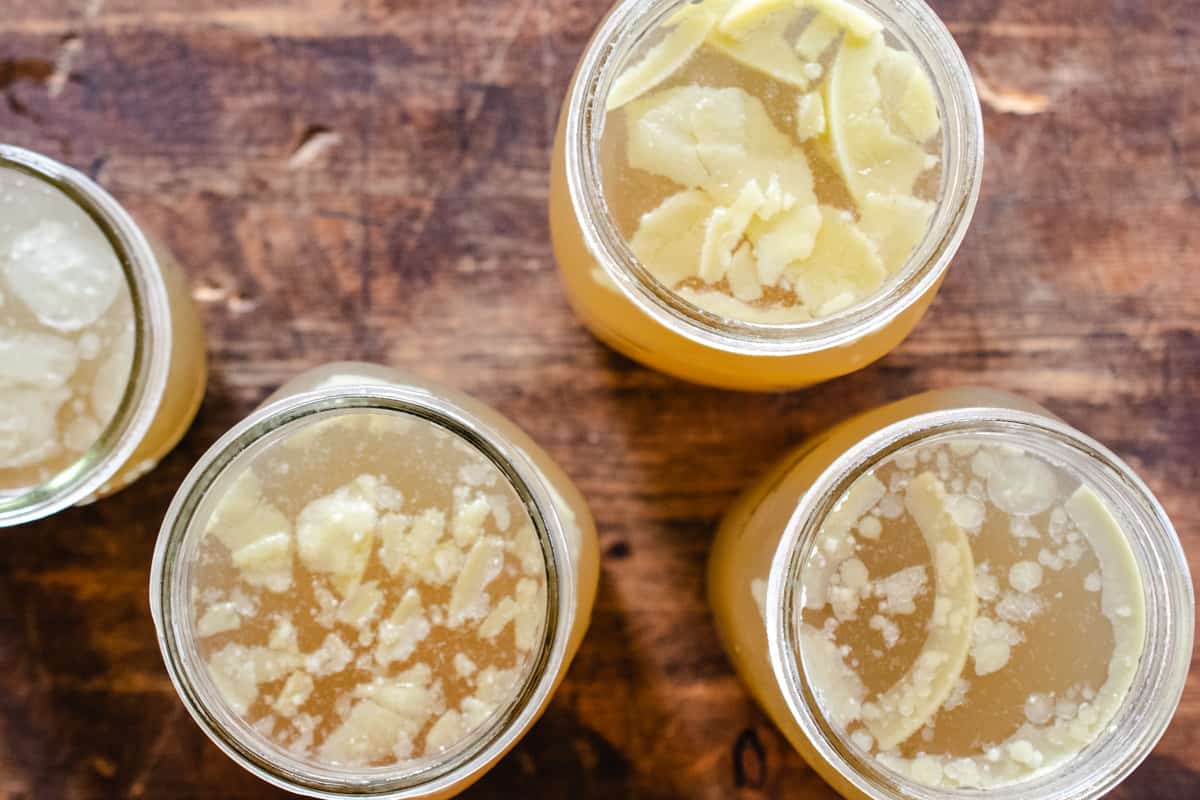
368	180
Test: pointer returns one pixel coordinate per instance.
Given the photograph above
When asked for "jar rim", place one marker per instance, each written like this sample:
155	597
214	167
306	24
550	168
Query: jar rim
169	597
152	344
1158	684
927	37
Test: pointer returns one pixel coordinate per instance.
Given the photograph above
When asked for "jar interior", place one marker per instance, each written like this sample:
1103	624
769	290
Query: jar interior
67	335
689	137
970	615
363	598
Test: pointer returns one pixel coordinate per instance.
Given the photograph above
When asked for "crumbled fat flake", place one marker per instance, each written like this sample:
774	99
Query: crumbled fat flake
1017	607
389	716
403	630
445	732
1039	708
1022	528
862	740
464	666
332	656
361	606
870	527
898	591
294	694
888	629
987	586
1025	576
991	645
335	534
1050	560
496	621
483	563
958	695
469	516
1025	753
1020	484
968	512
284	637
530	613
267	562
219	618
370	733
529	550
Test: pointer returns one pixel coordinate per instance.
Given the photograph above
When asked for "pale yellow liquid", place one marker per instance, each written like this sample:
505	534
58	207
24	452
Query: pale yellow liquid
1065	648
629	193
52	415
426	464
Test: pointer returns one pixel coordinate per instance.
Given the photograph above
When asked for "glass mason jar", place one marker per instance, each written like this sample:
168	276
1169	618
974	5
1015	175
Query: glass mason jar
565	542
623	305
757	589
88	404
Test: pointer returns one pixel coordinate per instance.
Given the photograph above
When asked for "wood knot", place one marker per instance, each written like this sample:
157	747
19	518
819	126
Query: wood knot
749	761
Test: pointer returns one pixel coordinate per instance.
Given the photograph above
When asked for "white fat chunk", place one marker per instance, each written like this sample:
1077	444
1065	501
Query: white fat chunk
31	358
483	563
29	425
218	618
66	283
370	733
335	535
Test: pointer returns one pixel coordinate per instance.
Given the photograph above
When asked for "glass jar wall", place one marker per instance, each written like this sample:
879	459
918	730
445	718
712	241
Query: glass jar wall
723	210
957	592
372	585
102	361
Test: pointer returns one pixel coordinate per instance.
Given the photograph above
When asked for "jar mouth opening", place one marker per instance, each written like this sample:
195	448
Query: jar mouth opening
912	22
170	589
144	387
1152	698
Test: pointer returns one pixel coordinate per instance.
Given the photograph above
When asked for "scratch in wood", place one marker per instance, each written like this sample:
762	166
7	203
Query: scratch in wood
366	222
314	143
1180	164
143	683
549	63
241	305
492	74
1019	30
138	786
210	293
71	47
104	767
33	637
311	19
1010	101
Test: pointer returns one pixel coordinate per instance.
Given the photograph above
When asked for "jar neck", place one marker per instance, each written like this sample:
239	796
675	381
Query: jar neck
151	352
1162	670
170	587
916	26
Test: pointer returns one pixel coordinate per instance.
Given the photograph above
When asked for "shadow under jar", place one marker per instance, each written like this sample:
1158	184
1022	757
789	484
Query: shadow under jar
763	195
371	586
957	594
102	363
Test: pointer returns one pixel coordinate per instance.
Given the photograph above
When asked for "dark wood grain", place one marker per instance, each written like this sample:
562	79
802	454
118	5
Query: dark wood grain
368	180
